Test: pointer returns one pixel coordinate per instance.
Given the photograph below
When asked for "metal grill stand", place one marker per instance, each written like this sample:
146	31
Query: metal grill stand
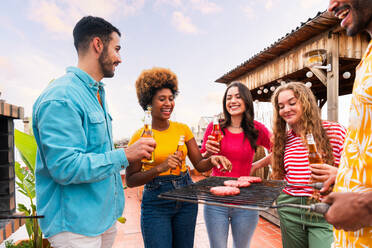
258	196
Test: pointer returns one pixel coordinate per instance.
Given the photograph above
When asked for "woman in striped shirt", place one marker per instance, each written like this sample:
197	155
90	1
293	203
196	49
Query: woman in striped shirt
295	114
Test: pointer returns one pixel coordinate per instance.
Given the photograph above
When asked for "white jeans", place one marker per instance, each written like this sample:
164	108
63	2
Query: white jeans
73	240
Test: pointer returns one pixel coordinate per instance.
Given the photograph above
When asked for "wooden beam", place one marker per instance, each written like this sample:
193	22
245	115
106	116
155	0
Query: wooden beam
320	75
333	77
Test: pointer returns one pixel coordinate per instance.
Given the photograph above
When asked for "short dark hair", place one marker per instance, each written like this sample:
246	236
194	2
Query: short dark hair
89	27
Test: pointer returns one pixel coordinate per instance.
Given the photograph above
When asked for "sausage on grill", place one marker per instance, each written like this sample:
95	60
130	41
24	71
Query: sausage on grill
224	190
250	179
236	183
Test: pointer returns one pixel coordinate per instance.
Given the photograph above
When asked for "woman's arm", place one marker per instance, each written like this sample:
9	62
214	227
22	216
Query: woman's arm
134	176
263	162
207	163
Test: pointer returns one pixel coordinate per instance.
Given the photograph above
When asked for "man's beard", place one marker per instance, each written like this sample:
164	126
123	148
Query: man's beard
361	18
106	64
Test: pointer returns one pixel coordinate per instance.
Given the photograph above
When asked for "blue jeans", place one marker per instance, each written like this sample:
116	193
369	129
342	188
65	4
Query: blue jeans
243	223
167	223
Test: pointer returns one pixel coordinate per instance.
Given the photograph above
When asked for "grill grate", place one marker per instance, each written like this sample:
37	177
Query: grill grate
258	196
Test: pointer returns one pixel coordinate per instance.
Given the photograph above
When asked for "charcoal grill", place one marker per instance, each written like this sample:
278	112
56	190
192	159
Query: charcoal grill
258	196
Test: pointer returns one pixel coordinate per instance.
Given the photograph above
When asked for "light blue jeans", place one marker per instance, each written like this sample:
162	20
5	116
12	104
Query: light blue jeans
243	223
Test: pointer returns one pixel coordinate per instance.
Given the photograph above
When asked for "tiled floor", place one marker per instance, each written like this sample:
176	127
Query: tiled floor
129	235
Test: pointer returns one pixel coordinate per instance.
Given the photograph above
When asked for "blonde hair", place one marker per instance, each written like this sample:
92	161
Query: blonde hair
310	121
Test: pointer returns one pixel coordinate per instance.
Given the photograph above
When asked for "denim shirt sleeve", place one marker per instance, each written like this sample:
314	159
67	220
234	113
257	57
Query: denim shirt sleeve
63	145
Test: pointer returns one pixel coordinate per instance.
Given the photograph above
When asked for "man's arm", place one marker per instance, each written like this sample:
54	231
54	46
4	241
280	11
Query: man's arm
349	211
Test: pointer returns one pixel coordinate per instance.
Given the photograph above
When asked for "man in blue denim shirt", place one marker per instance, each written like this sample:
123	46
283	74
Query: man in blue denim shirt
78	184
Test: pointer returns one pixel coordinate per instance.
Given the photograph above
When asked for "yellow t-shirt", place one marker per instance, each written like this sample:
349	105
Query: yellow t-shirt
355	171
166	144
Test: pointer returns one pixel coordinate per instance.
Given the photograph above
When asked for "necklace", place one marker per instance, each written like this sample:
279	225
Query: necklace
235	127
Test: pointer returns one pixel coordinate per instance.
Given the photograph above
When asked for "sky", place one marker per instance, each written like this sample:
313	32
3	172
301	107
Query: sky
199	40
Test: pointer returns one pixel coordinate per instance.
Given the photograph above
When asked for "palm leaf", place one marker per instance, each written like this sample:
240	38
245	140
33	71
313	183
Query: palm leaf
26	146
19	172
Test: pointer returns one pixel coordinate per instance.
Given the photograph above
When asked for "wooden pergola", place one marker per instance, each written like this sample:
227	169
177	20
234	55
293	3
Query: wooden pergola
284	61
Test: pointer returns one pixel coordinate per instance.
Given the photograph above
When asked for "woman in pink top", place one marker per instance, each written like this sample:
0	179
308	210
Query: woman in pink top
241	137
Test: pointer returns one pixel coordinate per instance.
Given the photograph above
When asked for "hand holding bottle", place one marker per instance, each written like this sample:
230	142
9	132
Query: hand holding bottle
214	139
179	152
212	146
170	163
324	173
142	148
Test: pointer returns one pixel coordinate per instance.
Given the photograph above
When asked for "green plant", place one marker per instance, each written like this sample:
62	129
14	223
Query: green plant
26	146
10	244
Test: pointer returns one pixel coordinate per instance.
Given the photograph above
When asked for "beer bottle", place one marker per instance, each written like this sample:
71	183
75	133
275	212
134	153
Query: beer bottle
181	142
180	145
216	132
147	132
314	155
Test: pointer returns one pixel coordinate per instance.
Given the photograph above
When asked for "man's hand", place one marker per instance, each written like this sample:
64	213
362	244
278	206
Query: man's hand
349	211
140	149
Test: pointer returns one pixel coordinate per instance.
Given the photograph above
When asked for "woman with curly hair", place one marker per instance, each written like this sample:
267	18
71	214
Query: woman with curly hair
166	223
295	108
242	135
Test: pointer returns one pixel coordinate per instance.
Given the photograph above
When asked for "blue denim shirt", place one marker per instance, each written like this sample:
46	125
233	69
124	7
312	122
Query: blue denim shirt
78	184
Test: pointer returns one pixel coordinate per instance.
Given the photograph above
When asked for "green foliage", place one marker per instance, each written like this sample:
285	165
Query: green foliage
27	148
10	244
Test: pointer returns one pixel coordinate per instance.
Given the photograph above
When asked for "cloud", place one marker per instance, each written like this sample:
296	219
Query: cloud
7	69
306	4
4	63
51	16
249	12
205	7
174	3
183	23
25	81
214	97
59	17
269	4
131	7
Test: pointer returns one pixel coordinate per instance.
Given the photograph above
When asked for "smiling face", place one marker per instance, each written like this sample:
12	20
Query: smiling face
234	103
162	104
356	15
290	108
110	56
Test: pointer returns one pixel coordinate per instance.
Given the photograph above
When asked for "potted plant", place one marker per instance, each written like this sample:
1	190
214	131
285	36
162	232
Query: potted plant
25	174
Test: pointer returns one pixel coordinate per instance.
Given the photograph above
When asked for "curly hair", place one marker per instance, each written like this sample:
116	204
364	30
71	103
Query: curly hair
152	80
250	132
310	121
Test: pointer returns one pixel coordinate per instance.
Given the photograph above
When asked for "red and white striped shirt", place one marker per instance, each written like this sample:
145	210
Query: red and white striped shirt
296	162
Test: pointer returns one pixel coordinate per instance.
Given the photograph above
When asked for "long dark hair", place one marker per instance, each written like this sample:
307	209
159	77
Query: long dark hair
250	132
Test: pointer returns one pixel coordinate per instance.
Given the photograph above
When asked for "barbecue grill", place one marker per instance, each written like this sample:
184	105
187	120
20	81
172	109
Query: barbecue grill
258	196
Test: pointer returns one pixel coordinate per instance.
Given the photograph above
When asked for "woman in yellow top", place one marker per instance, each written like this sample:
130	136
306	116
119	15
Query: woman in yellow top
166	223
